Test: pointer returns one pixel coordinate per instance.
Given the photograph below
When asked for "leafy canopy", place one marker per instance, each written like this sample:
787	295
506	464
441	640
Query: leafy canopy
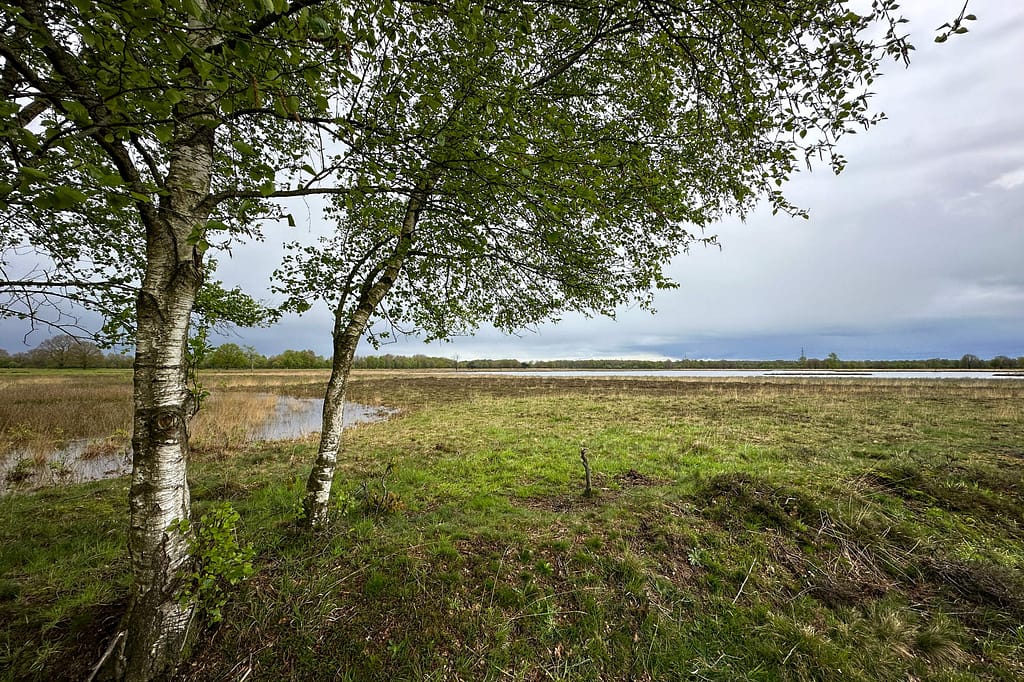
554	156
561	150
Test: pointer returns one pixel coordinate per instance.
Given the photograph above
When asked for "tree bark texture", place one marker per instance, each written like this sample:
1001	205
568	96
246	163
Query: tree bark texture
348	330
156	627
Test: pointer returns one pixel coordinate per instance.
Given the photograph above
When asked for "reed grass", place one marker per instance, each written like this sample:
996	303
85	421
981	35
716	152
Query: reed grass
230	419
42	411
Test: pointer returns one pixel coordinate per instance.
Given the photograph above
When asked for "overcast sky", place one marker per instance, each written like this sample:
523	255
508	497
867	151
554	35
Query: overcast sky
915	251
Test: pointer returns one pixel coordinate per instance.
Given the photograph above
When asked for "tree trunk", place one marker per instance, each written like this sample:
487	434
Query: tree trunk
346	335
318	486
155	630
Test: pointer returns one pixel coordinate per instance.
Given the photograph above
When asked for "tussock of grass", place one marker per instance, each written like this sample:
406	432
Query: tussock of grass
741	530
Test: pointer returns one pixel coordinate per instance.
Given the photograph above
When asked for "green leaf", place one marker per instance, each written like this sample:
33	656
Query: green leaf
68	197
197	233
267	188
243	148
193	9
30	173
44	202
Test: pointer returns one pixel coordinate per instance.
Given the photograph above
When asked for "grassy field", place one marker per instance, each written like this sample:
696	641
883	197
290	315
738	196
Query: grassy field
739	530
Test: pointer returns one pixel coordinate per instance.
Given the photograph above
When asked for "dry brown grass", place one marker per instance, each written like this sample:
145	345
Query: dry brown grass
40	411
229	419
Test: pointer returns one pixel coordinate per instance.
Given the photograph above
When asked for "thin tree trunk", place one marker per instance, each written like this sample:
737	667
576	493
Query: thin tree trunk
318	486
346	335
156	626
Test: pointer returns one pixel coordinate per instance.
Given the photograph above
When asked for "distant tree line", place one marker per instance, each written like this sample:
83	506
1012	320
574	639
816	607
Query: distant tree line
233	356
832	361
67	352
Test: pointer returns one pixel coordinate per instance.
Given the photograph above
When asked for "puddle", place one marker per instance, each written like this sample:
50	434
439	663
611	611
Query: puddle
79	461
92	459
300	417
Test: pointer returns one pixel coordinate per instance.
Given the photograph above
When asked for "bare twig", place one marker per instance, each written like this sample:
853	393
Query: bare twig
587	492
106	655
749	571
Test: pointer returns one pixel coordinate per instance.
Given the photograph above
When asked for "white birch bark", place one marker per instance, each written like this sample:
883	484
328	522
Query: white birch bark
346	334
156	629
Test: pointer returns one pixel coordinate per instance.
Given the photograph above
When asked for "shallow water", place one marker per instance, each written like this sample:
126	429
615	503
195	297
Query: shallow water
300	417
22	470
292	418
732	373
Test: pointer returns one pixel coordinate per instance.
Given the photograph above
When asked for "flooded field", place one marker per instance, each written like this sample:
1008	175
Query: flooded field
754	373
66	427
238	419
301	417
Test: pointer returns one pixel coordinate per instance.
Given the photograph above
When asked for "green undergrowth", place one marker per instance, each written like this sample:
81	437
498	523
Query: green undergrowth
737	531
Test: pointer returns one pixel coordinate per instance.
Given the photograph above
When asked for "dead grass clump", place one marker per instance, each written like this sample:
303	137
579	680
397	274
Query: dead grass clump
740	499
107	447
677	556
562	503
230	419
852	569
983	584
635	478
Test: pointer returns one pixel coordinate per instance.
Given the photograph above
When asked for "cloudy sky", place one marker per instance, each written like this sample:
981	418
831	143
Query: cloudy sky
915	251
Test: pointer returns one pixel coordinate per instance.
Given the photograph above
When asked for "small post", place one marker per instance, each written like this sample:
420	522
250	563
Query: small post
587	492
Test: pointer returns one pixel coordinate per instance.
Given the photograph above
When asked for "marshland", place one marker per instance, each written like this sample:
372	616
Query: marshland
747	528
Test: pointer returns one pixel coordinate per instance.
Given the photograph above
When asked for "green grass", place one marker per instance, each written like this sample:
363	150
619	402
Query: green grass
741	530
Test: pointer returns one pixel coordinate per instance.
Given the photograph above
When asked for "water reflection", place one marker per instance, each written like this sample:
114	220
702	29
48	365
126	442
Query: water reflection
300	417
80	461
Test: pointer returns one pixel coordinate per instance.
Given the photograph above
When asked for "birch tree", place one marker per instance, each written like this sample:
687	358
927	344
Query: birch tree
510	162
135	137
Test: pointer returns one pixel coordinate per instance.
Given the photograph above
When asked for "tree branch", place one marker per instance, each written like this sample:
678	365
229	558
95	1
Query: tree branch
64	63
